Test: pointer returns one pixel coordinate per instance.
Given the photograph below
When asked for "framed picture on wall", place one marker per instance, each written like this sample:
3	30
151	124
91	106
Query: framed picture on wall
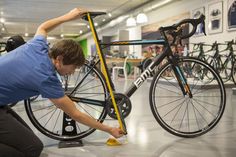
196	13
231	14
215	16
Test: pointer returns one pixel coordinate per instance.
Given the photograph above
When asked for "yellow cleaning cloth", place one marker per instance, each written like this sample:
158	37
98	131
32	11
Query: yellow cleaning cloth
113	142
116	142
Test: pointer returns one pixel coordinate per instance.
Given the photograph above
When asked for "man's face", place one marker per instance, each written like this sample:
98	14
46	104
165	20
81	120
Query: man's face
64	69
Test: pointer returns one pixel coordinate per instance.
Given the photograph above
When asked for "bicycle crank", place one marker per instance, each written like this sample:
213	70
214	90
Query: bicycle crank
123	103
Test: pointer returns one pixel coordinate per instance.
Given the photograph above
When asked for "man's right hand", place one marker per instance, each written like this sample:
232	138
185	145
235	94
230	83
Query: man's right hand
75	13
116	132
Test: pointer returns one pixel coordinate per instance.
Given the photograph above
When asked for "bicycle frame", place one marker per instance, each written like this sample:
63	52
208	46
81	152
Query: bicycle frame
178	109
167	53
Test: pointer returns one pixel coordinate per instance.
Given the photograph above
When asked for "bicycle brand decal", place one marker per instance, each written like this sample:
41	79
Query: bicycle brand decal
144	76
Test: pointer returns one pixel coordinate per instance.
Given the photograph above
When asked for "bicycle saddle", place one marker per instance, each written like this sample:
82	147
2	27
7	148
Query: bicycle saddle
93	15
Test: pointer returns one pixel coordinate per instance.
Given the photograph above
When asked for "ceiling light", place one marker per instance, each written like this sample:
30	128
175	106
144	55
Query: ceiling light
3	29
95	24
80	31
26	34
109	14
1	12
51	38
142	18
62	35
2	20
88	26
103	20
130	22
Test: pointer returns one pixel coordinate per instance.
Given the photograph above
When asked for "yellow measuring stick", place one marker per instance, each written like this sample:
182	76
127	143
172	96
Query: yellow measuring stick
105	74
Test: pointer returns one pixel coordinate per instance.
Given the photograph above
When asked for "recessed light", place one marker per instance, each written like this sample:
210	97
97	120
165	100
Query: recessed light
2	20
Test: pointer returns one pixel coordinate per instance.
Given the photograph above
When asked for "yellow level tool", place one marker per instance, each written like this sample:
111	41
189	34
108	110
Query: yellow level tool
122	126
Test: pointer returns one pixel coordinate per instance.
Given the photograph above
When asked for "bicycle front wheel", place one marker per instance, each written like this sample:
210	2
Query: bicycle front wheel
89	97
184	115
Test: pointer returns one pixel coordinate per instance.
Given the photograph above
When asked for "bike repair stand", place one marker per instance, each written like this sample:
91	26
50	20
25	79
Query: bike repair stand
234	91
69	129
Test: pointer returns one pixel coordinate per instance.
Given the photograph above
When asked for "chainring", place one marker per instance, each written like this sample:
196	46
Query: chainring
123	103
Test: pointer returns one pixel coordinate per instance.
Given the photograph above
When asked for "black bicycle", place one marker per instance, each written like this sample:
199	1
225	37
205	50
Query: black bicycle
182	104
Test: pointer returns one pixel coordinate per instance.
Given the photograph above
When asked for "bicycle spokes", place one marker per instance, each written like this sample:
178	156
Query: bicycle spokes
192	115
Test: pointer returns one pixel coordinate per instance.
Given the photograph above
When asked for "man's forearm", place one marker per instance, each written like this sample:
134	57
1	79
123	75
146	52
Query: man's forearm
49	25
89	121
69	108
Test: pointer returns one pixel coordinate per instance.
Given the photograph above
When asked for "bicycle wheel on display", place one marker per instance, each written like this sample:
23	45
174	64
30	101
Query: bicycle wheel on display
183	115
227	71
234	73
212	61
89	97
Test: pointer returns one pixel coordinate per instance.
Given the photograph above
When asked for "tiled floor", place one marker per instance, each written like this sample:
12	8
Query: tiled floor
146	138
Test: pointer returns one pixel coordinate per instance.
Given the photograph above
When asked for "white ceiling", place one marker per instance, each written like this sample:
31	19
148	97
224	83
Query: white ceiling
24	16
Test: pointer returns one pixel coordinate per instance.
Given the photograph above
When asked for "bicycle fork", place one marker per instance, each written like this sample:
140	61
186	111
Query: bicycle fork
182	81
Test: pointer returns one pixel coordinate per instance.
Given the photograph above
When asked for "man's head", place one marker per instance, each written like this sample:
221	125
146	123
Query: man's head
14	42
67	55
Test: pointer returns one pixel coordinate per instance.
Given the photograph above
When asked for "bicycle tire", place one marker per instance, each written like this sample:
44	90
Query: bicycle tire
48	119
31	99
181	115
212	61
13	104
233	74
227	70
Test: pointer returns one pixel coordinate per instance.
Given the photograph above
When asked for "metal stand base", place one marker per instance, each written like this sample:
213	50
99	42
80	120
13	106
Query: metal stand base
234	91
67	144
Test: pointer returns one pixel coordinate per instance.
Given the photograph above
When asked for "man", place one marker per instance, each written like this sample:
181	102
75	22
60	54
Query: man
30	70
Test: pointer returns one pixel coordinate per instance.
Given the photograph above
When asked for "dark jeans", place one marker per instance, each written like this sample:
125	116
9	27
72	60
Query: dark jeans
16	138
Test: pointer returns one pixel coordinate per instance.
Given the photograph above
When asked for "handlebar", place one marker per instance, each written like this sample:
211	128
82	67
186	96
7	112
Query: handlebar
176	30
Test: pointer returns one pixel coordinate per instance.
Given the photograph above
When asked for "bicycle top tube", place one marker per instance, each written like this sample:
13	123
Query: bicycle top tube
136	42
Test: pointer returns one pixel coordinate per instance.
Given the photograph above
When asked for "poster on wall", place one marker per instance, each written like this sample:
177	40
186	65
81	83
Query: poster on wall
215	15
231	11
196	13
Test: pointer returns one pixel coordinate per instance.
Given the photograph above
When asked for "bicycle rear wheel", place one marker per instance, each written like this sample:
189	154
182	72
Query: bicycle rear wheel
183	115
89	97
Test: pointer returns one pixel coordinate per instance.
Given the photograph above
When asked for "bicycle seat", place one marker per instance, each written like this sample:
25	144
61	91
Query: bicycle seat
93	15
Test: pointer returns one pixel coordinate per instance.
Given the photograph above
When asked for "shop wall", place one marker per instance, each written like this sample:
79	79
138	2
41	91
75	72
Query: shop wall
186	5
135	34
171	10
223	36
83	44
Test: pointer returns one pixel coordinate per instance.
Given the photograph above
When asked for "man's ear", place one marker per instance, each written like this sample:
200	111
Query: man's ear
59	58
